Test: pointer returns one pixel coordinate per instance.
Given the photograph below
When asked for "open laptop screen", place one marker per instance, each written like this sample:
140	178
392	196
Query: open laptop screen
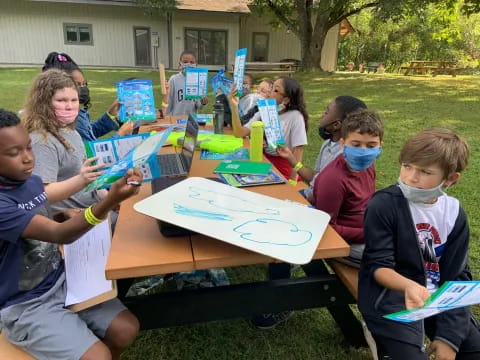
191	134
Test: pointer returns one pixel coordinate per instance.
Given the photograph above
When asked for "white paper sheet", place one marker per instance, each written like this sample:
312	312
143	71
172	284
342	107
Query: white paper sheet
85	262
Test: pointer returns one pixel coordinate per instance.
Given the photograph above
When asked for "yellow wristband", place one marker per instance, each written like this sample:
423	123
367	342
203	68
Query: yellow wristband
292	182
298	166
111	116
164	104
90	218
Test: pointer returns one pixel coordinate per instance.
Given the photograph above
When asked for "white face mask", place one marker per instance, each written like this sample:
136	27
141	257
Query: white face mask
417	195
281	107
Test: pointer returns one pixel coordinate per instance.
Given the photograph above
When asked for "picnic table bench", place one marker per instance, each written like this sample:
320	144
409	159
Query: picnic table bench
372	66
422	67
270	67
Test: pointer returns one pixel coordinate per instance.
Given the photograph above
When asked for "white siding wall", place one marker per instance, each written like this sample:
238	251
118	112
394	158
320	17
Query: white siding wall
283	45
30	30
227	22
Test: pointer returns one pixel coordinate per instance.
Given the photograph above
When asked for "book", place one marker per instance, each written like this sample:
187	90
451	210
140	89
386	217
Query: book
272	128
238	180
243	167
451	295
240	154
138	103
196	83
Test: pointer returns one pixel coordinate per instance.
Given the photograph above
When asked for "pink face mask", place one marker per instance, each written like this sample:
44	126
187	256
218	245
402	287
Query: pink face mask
66	117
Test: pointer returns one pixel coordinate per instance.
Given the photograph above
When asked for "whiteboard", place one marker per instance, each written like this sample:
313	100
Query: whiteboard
281	229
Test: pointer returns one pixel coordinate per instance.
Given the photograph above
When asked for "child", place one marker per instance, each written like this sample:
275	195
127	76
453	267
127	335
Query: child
32	275
342	190
416	238
345	186
264	90
175	99
291	107
329	130
50	113
89	131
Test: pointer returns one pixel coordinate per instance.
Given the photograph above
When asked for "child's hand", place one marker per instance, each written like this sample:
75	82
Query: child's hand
232	97
113	109
90	172
126	129
441	350
415	295
286	153
204	101
127	186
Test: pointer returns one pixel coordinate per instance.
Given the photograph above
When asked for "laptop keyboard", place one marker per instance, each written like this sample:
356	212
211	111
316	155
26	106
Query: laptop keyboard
169	164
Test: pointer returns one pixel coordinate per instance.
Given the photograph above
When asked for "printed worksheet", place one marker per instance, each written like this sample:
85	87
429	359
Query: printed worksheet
451	295
271	120
85	261
196	83
239	69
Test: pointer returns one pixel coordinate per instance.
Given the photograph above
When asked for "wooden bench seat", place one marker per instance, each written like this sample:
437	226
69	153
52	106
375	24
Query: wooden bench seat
9	351
348	275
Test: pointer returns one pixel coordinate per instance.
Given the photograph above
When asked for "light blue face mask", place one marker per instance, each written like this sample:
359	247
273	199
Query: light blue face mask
360	159
187	65
417	195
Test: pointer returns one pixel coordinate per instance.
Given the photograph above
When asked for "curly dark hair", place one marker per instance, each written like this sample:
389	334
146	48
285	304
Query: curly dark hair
8	118
60	61
347	104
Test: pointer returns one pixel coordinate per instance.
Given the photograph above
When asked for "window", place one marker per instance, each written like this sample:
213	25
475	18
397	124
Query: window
78	34
210	46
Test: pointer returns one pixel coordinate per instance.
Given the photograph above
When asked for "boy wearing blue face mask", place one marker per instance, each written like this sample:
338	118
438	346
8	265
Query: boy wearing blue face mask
416	238
345	186
175	101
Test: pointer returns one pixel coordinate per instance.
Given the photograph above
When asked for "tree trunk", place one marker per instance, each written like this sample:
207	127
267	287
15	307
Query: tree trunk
312	43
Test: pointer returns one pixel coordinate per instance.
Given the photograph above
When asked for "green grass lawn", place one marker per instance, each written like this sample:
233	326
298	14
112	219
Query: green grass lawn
407	104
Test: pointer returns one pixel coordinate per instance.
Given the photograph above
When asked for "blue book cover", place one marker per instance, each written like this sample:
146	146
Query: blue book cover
196	83
138	103
239	69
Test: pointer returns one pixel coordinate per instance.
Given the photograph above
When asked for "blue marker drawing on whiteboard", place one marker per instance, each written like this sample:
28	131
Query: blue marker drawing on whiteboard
229	202
257	231
183	210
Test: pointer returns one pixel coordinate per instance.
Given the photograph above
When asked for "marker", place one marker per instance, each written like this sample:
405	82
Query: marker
134	183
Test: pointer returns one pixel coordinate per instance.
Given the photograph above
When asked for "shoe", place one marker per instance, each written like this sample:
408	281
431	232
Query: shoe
268	321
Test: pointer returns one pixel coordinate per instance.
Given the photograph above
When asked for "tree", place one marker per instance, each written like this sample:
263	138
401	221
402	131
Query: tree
310	20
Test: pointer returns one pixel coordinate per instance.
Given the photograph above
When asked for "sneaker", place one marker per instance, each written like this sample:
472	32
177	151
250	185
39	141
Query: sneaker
268	321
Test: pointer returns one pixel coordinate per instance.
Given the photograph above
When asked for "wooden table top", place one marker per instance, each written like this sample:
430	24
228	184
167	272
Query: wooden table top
139	249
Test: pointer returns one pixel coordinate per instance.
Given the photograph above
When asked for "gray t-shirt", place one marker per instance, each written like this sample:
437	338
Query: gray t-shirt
293	129
53	162
328	151
177	105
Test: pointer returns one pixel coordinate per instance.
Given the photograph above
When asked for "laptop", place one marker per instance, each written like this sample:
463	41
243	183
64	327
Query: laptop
173	165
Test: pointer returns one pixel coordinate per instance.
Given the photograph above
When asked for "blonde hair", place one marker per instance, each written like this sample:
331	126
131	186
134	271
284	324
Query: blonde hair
39	114
437	146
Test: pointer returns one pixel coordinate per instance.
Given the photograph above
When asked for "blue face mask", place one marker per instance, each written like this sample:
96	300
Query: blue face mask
360	159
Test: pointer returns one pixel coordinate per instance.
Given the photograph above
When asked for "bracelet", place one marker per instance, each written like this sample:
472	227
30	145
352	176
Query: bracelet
292	182
112	117
90	218
298	166
164	104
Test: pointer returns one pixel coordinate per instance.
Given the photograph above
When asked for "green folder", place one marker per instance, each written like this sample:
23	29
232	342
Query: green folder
243	167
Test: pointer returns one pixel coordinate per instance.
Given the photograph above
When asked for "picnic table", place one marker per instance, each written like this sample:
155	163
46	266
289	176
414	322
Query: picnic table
139	249
422	67
270	67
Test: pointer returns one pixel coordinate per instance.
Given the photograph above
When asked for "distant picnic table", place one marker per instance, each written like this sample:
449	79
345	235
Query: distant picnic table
422	67
270	67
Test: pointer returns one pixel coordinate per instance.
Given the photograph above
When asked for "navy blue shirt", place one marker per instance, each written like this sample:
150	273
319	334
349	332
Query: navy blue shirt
28	267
